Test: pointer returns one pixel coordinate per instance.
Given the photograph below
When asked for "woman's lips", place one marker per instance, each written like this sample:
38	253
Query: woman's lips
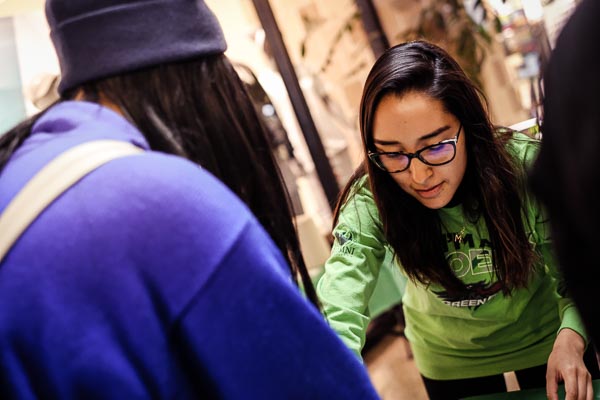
431	192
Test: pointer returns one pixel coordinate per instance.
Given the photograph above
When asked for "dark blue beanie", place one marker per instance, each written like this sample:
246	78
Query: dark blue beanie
98	38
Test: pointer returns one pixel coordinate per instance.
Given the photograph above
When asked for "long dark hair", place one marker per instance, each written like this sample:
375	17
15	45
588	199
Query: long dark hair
199	109
491	187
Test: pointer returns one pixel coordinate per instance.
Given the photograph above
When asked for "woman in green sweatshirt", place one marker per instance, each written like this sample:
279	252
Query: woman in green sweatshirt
443	191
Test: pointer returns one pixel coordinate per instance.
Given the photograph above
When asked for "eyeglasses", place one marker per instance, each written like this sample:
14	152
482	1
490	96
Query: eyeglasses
397	161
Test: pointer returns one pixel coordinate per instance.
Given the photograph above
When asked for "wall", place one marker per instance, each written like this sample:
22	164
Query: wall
37	59
27	59
12	107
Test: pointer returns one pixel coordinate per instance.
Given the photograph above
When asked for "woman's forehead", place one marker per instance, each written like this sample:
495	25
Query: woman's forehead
411	118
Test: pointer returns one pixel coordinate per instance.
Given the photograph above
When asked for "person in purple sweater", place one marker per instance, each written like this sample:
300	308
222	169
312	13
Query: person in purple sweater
149	278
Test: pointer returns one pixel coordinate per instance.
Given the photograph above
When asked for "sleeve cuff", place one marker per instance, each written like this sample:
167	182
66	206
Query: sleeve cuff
572	320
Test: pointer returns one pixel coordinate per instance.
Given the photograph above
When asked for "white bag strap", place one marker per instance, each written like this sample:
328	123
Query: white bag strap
52	180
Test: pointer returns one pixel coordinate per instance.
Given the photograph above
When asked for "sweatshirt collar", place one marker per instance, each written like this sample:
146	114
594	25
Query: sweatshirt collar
89	121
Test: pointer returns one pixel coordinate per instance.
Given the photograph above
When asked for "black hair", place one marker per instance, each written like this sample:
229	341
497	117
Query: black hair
200	109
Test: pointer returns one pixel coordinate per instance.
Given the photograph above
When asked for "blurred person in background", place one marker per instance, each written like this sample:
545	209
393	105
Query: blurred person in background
148	278
567	173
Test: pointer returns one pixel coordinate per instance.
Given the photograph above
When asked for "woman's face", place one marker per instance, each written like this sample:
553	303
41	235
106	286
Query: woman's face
410	123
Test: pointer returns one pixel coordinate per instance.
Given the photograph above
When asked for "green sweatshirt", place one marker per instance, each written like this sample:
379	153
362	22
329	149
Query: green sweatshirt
480	333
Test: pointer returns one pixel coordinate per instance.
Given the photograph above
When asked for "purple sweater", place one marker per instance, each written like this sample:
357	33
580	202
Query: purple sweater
150	279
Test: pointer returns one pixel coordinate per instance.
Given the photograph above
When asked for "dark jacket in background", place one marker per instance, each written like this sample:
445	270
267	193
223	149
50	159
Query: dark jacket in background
567	174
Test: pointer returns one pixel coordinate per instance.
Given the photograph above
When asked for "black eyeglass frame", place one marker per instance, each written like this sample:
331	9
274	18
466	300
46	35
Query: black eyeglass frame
374	155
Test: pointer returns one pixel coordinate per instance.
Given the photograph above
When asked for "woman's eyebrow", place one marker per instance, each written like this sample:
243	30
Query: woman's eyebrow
427	136
385	142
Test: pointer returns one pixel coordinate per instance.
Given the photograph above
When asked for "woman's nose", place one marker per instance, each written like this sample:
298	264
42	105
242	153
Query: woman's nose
420	171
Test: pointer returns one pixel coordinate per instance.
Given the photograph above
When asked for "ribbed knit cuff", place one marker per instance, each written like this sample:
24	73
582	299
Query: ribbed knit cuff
572	320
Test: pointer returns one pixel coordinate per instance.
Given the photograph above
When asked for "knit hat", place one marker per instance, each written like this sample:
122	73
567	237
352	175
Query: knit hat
98	38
